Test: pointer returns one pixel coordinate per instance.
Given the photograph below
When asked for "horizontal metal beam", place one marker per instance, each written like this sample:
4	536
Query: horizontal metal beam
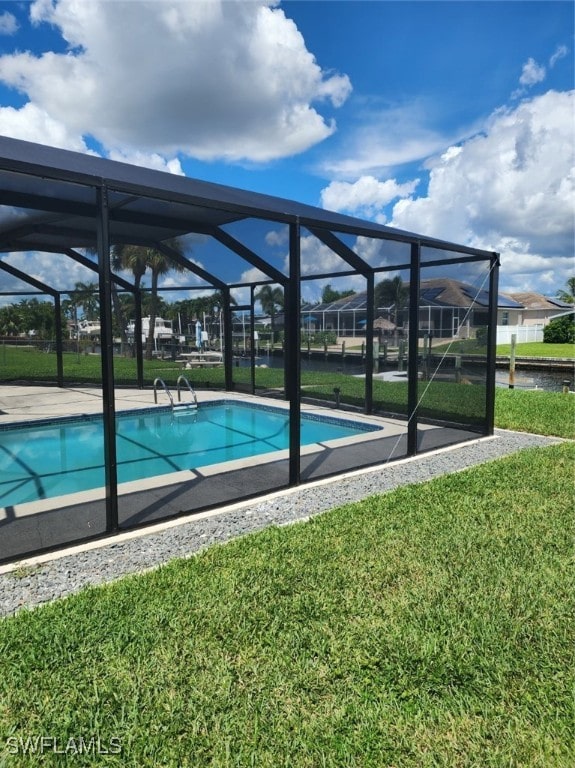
27	279
187	264
342	250
49	204
170	223
249	256
452	262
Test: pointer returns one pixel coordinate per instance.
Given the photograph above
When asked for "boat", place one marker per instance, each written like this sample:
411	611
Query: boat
90	328
163	329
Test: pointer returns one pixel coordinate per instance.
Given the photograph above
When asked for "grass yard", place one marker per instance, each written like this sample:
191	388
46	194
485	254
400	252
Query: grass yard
430	626
525	411
538	349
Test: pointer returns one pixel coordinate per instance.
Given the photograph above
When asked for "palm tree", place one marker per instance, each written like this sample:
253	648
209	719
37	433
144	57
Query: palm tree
132	258
159	264
568	296
138	258
392	293
85	295
10	320
270	298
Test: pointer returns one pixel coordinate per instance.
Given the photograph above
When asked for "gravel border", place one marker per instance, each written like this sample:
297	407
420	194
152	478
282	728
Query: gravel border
39	580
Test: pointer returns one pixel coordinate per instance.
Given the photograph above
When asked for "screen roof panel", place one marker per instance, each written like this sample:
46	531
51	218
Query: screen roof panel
38	172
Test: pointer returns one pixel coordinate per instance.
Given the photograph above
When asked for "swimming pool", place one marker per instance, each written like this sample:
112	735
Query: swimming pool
44	460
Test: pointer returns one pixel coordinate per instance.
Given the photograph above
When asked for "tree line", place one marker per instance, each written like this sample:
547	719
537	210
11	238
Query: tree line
36	317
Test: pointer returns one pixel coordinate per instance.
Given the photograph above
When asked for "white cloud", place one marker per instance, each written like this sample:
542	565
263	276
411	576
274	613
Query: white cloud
54	270
532	73
148	160
277	237
365	197
390	137
31	123
225	79
8	24
560	53
510	189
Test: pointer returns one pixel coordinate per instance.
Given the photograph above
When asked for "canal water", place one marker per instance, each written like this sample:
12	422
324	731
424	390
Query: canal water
530	378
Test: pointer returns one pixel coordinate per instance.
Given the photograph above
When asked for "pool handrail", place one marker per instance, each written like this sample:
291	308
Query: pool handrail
166	390
189	386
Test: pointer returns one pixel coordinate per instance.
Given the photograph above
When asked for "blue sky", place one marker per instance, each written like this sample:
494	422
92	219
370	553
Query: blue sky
454	119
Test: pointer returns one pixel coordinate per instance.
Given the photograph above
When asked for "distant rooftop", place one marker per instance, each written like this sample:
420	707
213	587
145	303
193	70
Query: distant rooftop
532	300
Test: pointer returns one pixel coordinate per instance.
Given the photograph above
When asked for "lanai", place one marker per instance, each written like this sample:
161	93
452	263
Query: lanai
72	205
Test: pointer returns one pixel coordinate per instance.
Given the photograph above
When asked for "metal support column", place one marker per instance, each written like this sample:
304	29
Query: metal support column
107	345
59	345
138	338
491	344
413	351
292	351
252	345
369	318
228	340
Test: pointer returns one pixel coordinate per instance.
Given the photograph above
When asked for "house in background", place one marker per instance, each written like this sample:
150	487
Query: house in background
447	309
536	309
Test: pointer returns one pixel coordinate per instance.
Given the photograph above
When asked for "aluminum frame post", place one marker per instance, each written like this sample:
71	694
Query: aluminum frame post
369	318
413	340
228	340
491	344
292	352
138	338
252	345
59	346
107	346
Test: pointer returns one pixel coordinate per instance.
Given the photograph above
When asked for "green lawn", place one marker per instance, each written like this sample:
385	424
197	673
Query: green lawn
538	349
430	626
525	411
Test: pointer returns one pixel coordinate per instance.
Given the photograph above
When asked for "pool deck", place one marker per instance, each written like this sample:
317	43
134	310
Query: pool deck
27	404
34	403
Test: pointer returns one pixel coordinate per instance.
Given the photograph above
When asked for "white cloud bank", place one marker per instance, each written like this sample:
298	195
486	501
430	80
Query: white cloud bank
222	79
366	197
509	189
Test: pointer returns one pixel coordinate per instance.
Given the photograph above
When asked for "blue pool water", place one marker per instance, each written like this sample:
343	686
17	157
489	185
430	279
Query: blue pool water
44	460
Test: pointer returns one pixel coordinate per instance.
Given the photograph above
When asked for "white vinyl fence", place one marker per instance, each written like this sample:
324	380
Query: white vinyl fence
523	333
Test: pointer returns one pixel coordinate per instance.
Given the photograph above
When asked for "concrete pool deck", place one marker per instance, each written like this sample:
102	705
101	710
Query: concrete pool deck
35	403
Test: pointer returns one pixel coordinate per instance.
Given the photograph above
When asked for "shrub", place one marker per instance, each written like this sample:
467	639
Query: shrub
481	335
560	331
319	338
